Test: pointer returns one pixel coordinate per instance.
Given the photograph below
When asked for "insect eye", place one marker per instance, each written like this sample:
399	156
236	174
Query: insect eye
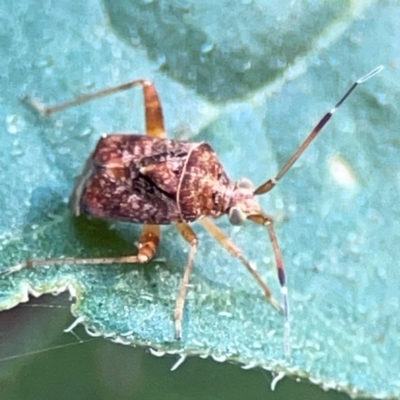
245	183
236	216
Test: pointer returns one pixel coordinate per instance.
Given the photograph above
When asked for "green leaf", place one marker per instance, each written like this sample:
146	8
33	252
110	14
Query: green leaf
252	79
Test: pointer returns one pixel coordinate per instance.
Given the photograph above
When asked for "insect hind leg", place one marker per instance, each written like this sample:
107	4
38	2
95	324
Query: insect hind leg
148	243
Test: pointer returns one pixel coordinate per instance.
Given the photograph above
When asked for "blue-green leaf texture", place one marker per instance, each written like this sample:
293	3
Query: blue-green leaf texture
251	78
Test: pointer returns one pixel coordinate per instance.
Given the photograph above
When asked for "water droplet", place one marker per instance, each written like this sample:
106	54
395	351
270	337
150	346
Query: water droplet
86	132
247	66
342	173
207	48
14	123
279	204
43	63
161	61
116	52
134	36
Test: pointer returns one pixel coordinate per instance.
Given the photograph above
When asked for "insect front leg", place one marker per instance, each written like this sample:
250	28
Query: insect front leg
153	109
228	244
267	221
188	234
225	241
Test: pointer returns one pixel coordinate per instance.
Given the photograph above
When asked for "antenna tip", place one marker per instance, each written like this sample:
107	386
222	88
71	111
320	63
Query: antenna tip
371	74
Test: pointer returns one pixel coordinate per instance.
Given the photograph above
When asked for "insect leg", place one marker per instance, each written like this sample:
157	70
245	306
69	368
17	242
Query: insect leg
187	232
153	109
282	279
148	243
267	221
228	244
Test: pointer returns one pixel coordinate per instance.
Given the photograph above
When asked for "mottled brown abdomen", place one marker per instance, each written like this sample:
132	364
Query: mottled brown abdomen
151	180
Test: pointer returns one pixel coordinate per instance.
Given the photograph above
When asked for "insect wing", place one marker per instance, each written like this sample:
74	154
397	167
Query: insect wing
132	178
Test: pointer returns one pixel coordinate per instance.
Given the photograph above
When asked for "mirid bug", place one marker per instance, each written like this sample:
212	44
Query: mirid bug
154	181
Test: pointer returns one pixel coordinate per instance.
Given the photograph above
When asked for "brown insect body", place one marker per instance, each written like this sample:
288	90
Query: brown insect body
145	179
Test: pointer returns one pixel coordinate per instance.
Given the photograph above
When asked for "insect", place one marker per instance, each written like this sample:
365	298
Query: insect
152	180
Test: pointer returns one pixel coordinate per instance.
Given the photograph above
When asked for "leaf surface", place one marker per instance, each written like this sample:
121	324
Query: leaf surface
252	80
